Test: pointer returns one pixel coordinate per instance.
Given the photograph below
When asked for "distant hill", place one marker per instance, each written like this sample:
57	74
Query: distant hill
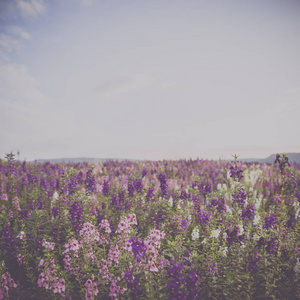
293	158
91	160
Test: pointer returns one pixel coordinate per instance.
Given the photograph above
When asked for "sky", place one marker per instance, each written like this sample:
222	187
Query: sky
154	80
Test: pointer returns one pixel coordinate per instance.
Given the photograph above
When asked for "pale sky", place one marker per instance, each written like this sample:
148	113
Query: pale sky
156	79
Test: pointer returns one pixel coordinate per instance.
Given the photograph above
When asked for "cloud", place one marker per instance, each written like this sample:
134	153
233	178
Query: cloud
17	85
12	9
8	43
123	84
23	107
31	8
19	32
12	40
87	2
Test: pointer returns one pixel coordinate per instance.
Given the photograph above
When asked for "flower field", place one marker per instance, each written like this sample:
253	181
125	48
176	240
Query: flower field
186	229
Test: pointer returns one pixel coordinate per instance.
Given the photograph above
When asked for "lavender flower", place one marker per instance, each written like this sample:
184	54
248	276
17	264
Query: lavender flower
133	283
138	185
204	217
185	223
106	187
240	197
181	286
236	173
73	184
271	247
150	193
248	213
115	203
138	248
233	236
8	240
270	222
220	204
253	262
164	186
45	184
75	215
90	182
130	188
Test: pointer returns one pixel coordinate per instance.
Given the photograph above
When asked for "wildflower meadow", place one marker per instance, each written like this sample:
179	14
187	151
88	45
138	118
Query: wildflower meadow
185	229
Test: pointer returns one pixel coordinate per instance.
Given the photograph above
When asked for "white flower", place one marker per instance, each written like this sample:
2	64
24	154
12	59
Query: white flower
297	213
256	219
222	187
195	234
228	175
55	195
21	235
215	233
241	229
223	250
258	202
171	201
179	204
204	241
256	237
228	210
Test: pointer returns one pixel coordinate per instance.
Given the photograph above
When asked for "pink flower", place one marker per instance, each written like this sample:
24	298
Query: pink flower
152	266
41	262
20	259
4	197
48	245
105	224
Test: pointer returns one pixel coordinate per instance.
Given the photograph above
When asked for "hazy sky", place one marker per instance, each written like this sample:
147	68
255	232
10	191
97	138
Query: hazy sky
163	79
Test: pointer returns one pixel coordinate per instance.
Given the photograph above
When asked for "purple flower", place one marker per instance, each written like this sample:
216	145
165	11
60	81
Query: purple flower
182	285
185	223
73	184
272	247
270	222
45	184
130	188
105	188
233	236
8	240
134	285
90	182
115	203
138	185
75	215
236	172
212	269
240	197
138	248
204	217
164	186
150	193
144	172
55	211
253	261
220	204
277	160
183	195
248	213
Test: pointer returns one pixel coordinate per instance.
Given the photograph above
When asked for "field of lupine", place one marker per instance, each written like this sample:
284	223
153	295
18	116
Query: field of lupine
187	229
